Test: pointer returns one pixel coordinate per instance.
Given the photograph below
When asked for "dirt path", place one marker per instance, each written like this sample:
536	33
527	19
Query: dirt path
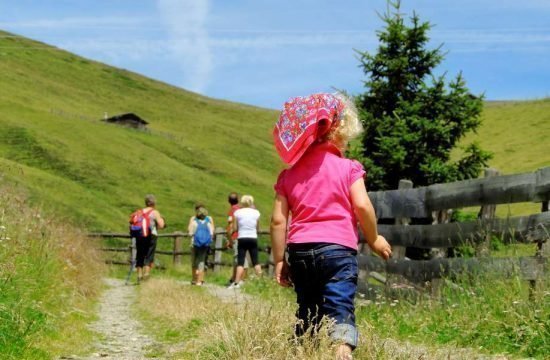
121	336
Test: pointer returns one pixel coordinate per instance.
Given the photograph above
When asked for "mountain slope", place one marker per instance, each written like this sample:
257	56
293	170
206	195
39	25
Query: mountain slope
52	142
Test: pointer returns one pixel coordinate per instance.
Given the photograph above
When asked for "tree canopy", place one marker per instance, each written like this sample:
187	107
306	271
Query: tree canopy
412	117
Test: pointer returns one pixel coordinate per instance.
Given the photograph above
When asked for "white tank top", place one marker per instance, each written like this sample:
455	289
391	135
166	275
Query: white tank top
247	220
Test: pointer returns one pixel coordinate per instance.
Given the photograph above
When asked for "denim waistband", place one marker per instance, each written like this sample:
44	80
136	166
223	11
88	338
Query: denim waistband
316	248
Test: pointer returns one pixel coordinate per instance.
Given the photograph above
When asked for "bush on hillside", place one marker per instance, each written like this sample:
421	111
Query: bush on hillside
48	270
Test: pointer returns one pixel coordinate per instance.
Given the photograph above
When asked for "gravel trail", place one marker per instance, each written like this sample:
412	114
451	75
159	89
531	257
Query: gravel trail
120	335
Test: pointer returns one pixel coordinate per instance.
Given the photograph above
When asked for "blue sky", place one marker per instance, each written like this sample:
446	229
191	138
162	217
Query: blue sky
263	52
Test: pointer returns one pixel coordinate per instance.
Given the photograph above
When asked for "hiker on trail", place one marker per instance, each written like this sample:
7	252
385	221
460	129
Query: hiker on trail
201	231
231	233
246	221
144	224
326	195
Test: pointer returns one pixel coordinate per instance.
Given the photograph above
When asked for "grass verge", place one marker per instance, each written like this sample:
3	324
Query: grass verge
491	315
49	275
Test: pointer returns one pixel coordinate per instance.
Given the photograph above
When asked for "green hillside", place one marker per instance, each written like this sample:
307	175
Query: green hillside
197	149
52	142
517	133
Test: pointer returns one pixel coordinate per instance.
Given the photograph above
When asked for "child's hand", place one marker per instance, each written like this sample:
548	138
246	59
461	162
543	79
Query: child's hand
381	247
282	274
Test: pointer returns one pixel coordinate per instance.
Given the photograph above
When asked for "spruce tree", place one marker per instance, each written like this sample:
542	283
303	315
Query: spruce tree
413	118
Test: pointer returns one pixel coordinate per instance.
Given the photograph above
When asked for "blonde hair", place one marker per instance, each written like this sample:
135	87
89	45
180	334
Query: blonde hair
201	212
247	201
349	126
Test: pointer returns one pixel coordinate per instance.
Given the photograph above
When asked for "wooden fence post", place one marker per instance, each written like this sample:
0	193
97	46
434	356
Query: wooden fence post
543	247
218	248
439	217
398	252
543	250
486	216
177	248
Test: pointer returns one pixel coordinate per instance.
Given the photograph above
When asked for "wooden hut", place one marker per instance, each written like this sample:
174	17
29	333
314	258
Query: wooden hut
128	119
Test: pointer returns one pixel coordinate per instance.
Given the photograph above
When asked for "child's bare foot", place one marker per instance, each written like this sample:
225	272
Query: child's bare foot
343	352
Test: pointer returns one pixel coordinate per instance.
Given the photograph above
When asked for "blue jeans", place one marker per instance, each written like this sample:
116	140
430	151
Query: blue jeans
325	281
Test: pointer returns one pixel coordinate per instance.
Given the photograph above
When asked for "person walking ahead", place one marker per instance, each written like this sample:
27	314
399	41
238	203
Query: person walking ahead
326	195
201	230
246	221
146	236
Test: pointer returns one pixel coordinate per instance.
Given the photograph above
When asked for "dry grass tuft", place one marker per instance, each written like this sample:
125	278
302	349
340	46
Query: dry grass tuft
209	327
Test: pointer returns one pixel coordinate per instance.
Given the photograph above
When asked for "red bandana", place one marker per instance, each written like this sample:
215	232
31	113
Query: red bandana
302	121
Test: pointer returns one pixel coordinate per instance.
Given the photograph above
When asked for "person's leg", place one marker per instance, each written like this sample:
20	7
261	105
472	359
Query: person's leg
139	271
194	264
201	264
304	278
253	251
339	275
239	274
141	250
150	257
235	255
243	246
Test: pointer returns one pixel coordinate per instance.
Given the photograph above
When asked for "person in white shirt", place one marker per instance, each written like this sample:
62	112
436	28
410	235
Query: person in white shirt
246	221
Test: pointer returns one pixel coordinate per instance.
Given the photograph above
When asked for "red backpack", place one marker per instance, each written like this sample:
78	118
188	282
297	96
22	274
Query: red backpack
140	223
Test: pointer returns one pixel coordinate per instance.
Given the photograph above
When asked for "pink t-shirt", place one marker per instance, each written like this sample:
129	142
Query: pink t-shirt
317	189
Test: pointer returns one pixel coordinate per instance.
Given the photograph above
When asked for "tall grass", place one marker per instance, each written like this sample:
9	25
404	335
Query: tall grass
192	323
48	274
490	314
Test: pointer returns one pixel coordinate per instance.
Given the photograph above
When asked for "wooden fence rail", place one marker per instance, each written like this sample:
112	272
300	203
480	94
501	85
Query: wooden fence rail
525	229
420	202
176	254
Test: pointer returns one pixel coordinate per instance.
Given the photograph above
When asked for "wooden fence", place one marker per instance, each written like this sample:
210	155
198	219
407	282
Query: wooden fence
406	203
435	202
178	239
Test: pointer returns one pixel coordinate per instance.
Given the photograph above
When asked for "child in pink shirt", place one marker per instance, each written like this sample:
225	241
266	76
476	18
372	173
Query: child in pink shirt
326	195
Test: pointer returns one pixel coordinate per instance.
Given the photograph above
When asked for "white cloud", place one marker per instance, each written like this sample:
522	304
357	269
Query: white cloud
186	23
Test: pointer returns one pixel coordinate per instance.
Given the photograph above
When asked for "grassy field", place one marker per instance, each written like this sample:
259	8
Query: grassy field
197	149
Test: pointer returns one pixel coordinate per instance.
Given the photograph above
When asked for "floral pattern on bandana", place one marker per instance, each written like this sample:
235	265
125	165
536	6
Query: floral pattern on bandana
299	120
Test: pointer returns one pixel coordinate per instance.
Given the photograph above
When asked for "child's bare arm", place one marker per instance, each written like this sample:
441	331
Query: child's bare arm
367	219
279	219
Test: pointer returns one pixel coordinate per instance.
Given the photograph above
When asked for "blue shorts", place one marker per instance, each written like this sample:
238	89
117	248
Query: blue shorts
325	281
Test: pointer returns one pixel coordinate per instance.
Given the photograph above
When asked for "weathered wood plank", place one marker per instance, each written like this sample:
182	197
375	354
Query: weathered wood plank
504	189
399	203
542	188
425	270
519	229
